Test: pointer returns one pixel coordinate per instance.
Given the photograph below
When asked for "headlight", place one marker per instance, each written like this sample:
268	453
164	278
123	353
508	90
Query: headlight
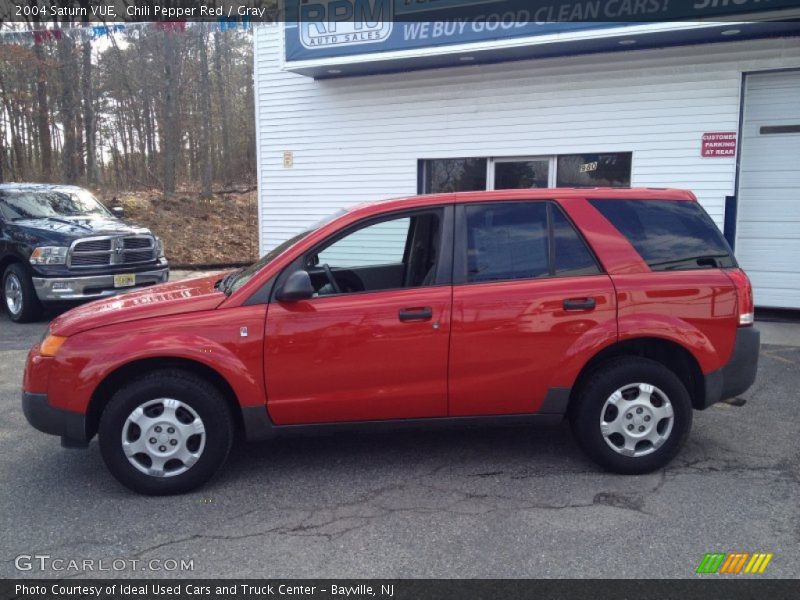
160	246
49	255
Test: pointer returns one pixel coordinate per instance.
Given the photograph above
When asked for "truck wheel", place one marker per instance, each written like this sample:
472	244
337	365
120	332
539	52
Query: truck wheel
167	432
632	415
20	300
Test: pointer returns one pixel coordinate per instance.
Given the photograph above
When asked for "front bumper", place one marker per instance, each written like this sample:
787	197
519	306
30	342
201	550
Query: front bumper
54	289
71	426
738	375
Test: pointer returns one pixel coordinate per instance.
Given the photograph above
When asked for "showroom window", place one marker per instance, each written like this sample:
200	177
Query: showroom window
594	170
453	175
611	169
522	174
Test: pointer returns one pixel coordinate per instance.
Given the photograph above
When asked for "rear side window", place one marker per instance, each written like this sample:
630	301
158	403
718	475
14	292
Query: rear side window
669	235
523	240
507	241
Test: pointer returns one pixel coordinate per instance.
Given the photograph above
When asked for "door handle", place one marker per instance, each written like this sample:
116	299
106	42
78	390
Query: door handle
423	313
579	304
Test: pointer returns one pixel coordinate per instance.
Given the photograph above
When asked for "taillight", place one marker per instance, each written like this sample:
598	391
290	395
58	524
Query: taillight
744	296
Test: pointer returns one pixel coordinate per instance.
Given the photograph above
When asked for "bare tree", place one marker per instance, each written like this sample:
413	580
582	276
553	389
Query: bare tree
88	113
220	39
43	112
149	109
170	125
67	67
205	127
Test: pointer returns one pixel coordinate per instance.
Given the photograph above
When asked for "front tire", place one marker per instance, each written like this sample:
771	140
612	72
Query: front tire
19	296
167	432
632	415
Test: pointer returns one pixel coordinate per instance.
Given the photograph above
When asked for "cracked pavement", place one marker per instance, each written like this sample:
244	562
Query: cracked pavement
511	502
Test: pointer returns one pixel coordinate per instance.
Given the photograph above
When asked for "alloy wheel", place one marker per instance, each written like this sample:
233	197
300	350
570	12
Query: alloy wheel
13	293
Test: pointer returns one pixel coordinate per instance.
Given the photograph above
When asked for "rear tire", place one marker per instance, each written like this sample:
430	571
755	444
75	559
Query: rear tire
19	296
167	432
632	415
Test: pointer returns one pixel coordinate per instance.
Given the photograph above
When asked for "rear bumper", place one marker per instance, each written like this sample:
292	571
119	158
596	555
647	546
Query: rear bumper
55	289
738	375
71	426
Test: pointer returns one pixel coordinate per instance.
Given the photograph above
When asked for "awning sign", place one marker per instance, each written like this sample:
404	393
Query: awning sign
719	144
325	29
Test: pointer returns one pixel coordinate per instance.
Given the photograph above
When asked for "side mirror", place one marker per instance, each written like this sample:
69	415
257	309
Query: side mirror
297	287
118	212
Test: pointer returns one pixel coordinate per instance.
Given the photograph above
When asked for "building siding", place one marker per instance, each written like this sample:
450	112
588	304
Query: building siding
356	139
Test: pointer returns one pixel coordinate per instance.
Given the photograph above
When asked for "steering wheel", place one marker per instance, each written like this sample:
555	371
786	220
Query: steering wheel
331	278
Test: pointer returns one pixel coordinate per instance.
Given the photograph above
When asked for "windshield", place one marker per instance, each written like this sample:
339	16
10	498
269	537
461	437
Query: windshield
239	278
39	204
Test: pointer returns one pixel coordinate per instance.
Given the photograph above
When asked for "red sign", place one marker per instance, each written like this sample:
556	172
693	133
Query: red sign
719	144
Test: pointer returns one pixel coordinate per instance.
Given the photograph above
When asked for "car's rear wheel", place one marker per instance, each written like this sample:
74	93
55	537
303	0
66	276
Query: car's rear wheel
632	415
19	295
167	432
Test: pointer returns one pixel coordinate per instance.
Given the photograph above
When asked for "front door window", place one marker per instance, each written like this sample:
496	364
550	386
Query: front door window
390	254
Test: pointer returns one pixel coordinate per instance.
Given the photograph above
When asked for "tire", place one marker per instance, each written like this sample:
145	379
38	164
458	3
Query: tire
631	433
165	435
19	296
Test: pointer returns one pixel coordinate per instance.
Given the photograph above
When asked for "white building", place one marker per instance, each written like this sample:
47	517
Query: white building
712	107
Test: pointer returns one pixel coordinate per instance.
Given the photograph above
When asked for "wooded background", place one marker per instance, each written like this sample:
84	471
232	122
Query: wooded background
148	107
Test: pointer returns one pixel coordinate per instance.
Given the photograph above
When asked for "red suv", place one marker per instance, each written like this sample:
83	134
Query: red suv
621	310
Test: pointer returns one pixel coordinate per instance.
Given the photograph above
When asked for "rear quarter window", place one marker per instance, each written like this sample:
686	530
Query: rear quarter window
669	235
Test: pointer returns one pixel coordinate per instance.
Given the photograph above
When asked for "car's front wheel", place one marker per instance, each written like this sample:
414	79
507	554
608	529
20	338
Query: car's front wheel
19	295
167	432
632	415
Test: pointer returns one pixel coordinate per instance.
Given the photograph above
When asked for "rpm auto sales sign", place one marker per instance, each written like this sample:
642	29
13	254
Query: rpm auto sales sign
326	23
719	144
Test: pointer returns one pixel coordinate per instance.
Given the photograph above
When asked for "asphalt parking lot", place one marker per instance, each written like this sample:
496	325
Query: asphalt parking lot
478	503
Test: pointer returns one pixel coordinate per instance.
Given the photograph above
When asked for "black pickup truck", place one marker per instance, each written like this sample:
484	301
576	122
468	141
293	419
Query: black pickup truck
59	244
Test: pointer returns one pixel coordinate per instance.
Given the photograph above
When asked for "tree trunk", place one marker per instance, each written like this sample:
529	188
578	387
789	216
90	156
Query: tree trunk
205	125
2	147
171	131
15	159
68	111
224	108
79	142
88	114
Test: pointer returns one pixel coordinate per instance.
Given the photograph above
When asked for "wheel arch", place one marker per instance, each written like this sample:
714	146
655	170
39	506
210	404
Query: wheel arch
129	371
6	261
674	356
13	258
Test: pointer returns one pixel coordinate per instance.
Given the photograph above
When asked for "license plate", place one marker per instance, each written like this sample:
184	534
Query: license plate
124	280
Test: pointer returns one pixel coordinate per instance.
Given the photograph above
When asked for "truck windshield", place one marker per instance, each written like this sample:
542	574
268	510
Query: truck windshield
28	204
238	278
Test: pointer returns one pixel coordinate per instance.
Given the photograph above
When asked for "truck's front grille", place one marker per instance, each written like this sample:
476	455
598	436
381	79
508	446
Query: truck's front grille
135	256
121	250
90	260
136	243
93	246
